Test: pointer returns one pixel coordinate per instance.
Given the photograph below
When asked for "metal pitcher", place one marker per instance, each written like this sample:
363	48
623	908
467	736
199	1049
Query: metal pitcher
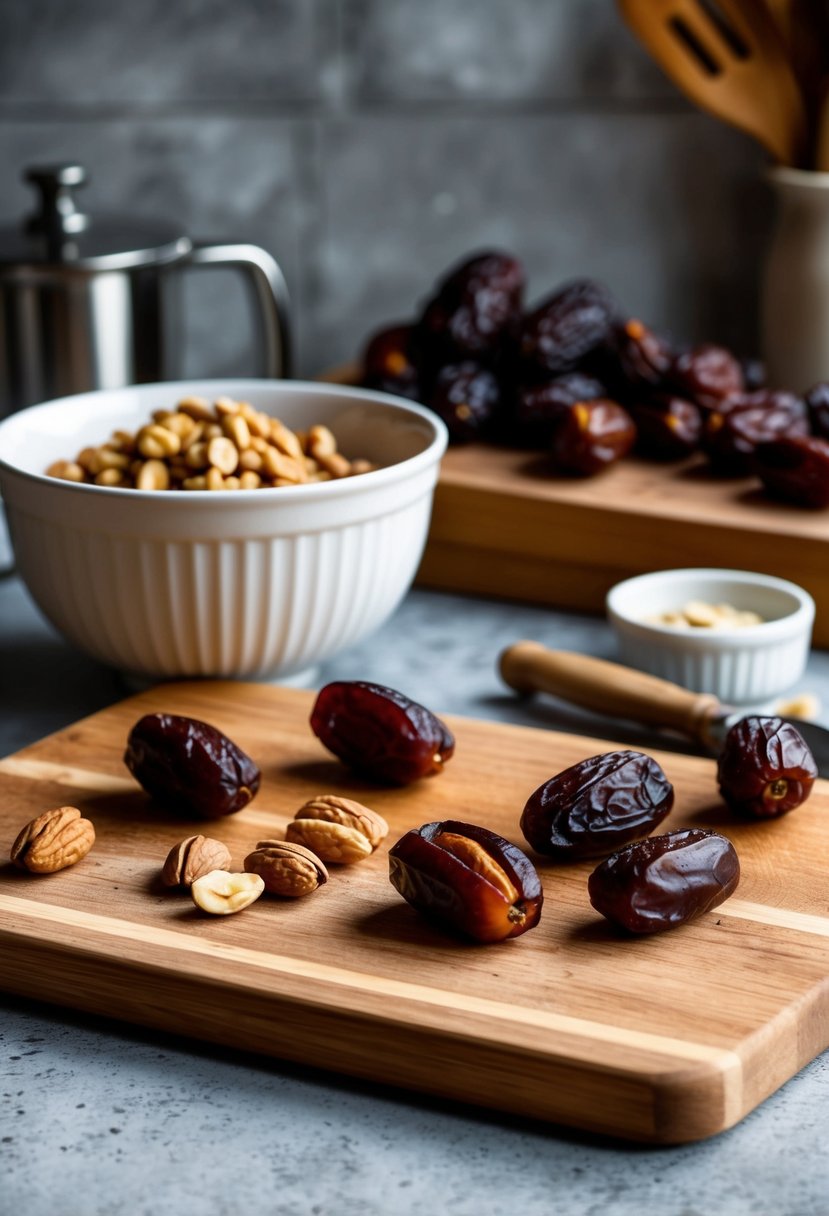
88	303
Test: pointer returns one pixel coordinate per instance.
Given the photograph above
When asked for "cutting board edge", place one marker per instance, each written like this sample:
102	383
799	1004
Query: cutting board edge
688	1103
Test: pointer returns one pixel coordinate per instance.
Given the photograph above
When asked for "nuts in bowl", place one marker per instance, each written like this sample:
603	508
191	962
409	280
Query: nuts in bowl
235	584
228	445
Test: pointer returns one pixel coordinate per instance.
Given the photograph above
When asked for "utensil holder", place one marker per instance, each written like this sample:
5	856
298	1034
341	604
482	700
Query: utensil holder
795	287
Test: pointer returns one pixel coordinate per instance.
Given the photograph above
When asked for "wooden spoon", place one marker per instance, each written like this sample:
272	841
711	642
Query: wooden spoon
730	58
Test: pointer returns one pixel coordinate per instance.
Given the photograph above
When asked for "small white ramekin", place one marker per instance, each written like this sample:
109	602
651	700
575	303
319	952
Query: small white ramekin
243	583
740	666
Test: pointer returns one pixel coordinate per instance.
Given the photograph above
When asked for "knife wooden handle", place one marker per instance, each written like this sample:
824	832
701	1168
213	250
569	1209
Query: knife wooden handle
607	688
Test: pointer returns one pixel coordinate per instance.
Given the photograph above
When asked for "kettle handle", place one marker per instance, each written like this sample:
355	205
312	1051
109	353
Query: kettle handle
271	295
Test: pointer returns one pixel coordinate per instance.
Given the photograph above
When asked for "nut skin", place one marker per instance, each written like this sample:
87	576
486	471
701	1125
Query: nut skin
380	732
467	879
337	829
665	881
54	840
286	868
192	858
765	768
597	805
190	768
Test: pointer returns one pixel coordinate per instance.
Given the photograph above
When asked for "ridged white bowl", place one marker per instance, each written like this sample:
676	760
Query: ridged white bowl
740	666
234	583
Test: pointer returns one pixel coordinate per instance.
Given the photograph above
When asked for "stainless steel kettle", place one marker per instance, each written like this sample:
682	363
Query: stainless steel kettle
93	303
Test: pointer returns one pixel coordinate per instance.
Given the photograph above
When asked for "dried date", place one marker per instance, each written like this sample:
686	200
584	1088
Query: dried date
667	427
795	470
765	768
597	805
390	362
592	435
708	375
468	879
643	359
665	881
732	433
538	408
189	767
466	396
381	732
817	403
476	312
566	328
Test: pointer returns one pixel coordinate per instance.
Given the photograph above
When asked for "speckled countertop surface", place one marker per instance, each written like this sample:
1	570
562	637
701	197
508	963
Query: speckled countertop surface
101	1119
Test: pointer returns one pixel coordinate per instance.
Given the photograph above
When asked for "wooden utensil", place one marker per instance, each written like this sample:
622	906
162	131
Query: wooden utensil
618	691
730	58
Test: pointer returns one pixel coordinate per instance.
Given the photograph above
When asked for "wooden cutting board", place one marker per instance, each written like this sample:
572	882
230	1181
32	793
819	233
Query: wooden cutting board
505	525
667	1039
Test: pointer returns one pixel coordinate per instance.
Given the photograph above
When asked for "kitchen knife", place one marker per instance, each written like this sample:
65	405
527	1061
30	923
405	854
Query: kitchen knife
621	692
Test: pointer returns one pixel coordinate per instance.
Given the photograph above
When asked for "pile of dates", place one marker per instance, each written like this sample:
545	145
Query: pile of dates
576	376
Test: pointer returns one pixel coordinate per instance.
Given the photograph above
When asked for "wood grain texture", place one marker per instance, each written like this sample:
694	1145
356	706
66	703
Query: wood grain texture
504	525
666	1040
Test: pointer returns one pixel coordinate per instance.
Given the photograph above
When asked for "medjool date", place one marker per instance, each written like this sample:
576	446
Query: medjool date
565	328
592	435
539	407
667	428
466	396
467	878
476	310
795	470
665	881
597	805
766	768
732	433
817	403
189	767
643	359
380	732
708	374
390	362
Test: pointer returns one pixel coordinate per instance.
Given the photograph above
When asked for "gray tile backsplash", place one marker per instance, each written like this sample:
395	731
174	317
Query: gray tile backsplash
369	143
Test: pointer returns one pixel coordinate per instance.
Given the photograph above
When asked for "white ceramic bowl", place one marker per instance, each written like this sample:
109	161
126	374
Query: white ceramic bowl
740	666
256	583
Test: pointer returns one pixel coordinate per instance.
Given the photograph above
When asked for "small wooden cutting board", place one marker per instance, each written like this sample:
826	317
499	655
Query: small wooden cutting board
667	1039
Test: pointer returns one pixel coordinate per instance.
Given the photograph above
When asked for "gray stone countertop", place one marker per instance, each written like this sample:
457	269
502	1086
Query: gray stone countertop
103	1119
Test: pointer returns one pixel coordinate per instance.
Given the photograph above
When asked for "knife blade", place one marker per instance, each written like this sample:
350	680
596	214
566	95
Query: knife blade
621	692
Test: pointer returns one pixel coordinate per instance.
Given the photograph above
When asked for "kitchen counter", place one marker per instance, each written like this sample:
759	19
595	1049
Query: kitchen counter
102	1119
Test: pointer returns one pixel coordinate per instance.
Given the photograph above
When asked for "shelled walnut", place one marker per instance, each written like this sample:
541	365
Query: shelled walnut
54	840
337	829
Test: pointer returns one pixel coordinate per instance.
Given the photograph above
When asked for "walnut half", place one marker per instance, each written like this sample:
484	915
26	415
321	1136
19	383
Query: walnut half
337	829
192	858
286	868
54	840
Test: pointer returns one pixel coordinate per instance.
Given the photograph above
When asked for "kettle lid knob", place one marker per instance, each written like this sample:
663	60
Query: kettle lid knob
59	217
